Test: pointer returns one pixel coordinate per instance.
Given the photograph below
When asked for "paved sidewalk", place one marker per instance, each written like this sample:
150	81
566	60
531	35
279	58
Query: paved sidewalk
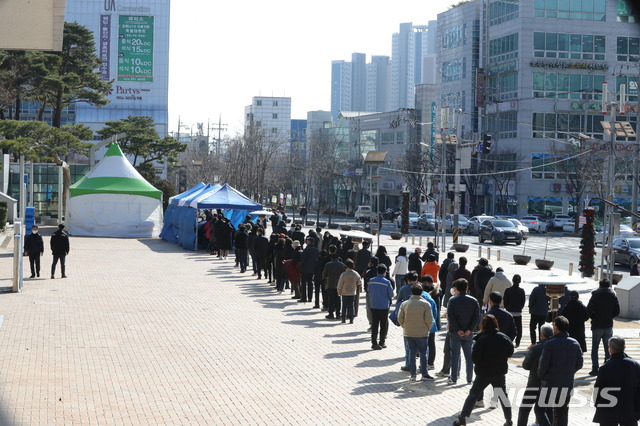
143	332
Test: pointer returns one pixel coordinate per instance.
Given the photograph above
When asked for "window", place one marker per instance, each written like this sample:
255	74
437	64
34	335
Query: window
454	37
559	125
502	11
258	103
567	86
503	48
625	12
503	87
628	49
258	123
275	103
504	125
579	10
274	130
274	115
452	70
388	137
569	46
400	137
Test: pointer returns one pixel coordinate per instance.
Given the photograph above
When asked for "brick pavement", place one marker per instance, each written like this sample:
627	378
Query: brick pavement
143	332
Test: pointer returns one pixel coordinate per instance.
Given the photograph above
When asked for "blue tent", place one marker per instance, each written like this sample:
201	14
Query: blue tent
180	219
176	198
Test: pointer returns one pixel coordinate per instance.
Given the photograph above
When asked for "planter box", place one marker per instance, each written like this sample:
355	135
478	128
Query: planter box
461	248
298	222
357	228
345	227
395	235
310	223
322	224
616	278
521	259
374	232
544	264
333	226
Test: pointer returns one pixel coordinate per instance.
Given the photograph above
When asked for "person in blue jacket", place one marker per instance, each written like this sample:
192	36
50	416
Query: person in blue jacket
380	293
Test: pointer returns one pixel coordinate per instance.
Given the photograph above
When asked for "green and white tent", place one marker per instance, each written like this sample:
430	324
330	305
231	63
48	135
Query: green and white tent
114	200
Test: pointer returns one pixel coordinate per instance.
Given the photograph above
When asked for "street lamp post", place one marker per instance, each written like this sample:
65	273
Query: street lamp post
375	158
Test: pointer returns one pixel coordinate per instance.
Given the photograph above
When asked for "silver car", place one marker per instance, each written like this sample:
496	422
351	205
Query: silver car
534	223
523	229
473	224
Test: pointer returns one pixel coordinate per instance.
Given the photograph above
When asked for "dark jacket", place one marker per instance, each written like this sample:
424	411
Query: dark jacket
33	244
251	238
308	259
432	251
59	243
623	373
362	260
298	236
481	278
323	259
539	301
463	313
530	363
506	323
223	230
462	272
331	273
490	353
415	263
576	313
560	359
444	269
260	246
603	307
514	299
241	240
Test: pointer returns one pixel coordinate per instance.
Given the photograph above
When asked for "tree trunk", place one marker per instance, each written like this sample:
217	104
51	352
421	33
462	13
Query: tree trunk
18	107
56	120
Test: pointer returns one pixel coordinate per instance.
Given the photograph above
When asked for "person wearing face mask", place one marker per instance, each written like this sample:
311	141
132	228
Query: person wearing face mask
34	248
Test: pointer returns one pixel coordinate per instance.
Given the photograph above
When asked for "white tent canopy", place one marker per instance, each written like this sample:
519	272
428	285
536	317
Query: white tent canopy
114	200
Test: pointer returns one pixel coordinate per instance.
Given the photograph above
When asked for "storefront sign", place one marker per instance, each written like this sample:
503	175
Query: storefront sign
135	48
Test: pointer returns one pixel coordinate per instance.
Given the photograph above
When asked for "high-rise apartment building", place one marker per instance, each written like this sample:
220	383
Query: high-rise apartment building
408	47
530	74
378	74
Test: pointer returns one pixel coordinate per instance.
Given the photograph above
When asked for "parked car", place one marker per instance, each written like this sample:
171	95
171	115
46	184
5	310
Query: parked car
626	251
499	231
474	223
363	214
625	232
462	222
534	223
413	220
426	221
523	229
560	220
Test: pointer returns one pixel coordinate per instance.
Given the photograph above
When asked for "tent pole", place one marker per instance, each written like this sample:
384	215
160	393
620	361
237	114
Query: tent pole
196	242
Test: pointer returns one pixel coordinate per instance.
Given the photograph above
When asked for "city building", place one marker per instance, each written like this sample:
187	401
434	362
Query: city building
530	75
272	115
132	39
408	47
378	88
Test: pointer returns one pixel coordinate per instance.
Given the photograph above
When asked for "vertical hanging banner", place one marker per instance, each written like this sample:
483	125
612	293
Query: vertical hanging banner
480	87
105	46
135	48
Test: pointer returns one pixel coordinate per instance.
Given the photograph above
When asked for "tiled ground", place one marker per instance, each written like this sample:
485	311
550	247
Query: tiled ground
143	332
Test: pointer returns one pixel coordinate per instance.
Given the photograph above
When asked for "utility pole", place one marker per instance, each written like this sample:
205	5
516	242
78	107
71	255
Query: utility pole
219	128
456	189
636	152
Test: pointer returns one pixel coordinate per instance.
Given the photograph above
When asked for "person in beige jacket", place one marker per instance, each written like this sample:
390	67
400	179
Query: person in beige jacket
499	282
348	284
416	319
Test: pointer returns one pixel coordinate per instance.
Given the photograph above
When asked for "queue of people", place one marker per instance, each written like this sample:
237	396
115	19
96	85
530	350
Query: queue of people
482	307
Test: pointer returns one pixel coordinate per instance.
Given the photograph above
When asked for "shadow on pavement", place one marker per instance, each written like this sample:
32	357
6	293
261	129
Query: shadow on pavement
379	362
398	382
347	354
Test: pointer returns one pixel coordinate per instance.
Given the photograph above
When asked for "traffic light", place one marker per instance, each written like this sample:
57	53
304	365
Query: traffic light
486	144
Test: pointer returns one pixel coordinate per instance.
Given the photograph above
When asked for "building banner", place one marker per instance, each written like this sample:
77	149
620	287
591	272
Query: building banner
104	49
135	48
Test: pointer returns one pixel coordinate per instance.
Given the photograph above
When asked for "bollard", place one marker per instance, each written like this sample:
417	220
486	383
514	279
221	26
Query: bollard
479	251
17	257
406	237
595	274
570	269
413	240
498	256
420	242
488	253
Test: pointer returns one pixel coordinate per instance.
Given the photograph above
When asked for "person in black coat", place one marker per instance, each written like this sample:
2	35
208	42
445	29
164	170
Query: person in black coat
308	262
261	247
602	308
617	388
323	259
362	258
481	278
532	392
514	300
506	323
491	351
34	248
241	249
415	262
60	249
576	313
